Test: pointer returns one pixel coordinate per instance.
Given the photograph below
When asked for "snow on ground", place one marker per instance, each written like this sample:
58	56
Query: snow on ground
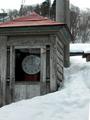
70	103
79	47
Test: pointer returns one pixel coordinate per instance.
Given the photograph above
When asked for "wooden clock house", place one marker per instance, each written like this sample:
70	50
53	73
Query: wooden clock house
32	56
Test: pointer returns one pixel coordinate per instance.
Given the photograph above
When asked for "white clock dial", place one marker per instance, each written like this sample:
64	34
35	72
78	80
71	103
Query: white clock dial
31	64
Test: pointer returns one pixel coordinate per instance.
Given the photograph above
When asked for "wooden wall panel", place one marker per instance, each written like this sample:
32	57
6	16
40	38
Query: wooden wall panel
3	62
25	91
60	62
28	41
43	71
53	65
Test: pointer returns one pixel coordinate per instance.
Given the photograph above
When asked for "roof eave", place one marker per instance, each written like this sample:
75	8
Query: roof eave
64	35
30	30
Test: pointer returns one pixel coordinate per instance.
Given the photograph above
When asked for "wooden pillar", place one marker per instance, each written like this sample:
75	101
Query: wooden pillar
12	73
3	65
66	56
53	65
43	72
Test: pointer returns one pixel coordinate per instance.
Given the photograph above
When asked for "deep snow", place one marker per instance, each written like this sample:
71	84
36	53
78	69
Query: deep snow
70	103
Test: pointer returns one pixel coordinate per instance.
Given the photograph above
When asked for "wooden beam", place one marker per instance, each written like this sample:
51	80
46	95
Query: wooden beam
43	71
66	56
3	65
29	41
53	85
12	73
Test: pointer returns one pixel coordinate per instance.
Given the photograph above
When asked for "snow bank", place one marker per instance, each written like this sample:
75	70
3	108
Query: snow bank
70	103
79	47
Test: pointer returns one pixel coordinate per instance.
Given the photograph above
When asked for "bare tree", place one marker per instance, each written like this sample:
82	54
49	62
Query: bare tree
84	26
74	21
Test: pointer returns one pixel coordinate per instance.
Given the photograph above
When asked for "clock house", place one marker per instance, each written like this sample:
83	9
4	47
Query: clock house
32	57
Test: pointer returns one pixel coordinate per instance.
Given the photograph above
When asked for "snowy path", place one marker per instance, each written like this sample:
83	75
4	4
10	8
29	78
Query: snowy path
70	103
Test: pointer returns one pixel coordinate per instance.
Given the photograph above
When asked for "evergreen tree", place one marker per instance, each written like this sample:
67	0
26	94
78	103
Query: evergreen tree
38	9
45	8
53	10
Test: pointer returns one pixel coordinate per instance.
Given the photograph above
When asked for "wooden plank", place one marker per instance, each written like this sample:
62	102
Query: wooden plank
60	56
3	68
12	73
53	65
26	91
66	56
43	71
59	62
60	76
59	68
60	49
20	92
29	30
28	41
29	46
48	69
48	62
32	91
59	43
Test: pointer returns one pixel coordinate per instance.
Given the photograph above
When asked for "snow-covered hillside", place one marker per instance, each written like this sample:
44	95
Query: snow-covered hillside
70	103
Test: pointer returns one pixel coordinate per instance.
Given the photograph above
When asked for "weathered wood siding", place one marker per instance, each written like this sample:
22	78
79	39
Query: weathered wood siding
26	90
60	62
51	67
29	41
3	67
29	90
43	71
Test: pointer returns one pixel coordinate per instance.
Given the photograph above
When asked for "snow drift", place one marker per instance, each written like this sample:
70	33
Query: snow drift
70	103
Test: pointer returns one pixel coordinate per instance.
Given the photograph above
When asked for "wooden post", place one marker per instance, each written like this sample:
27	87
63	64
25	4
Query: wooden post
66	56
3	65
53	65
43	72
12	73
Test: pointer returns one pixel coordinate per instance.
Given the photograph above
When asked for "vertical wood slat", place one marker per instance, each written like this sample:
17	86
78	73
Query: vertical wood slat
47	68
48	62
66	56
53	65
12	73
43	72
3	62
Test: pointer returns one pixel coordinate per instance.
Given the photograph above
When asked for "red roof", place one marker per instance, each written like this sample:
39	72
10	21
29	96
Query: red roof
32	19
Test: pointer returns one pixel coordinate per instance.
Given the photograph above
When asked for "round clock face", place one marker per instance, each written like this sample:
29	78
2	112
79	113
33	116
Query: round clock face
31	64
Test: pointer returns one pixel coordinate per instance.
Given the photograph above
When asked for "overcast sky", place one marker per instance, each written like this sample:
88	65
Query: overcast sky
12	4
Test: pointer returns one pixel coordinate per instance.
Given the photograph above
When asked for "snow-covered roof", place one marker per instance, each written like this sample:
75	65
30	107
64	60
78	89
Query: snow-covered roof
79	47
